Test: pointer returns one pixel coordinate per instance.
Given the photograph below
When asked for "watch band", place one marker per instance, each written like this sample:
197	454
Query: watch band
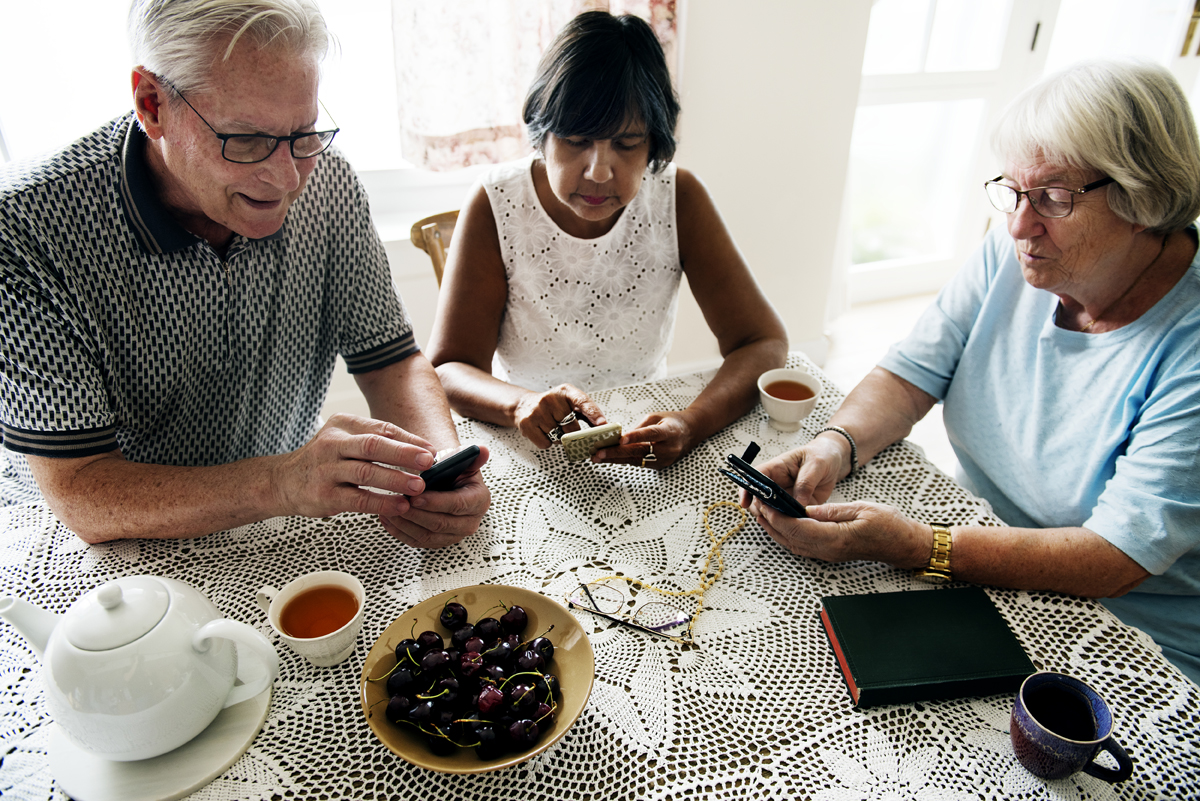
939	558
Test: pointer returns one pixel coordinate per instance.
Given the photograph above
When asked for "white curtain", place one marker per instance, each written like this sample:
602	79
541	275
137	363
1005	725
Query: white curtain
463	67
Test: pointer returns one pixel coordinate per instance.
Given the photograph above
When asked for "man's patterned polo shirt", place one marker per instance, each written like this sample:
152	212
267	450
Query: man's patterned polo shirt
119	329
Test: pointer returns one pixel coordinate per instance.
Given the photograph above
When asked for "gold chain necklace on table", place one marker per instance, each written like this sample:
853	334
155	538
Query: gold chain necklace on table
708	577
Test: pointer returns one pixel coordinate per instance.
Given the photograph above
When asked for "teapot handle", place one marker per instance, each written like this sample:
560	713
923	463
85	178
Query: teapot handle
259	645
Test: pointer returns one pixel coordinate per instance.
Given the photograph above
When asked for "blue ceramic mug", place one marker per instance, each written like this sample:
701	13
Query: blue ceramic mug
1059	725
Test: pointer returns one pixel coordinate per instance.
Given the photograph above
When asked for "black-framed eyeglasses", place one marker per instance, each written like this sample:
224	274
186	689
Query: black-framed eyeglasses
606	601
1047	201
253	148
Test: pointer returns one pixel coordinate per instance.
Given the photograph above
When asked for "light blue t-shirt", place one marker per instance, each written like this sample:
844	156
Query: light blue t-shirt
1063	428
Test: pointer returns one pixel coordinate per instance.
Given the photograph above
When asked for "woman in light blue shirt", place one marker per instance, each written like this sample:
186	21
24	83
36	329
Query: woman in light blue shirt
1067	356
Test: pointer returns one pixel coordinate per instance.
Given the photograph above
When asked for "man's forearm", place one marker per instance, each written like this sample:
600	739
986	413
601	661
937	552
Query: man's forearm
108	498
409	394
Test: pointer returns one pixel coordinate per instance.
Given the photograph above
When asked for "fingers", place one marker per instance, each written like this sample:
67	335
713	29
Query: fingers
443	518
584	405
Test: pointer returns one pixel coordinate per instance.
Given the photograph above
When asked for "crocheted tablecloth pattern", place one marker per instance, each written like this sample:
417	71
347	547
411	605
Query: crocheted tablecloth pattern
756	709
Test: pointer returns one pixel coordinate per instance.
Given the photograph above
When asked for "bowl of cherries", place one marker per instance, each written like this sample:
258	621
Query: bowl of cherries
477	679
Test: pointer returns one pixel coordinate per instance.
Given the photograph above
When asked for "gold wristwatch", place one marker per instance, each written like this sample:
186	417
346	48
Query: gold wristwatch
938	571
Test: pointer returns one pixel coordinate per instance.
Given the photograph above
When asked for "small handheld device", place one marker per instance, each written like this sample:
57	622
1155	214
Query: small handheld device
741	473
449	465
580	445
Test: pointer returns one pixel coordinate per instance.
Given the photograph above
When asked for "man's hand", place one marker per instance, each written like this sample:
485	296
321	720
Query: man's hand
438	519
338	468
539	413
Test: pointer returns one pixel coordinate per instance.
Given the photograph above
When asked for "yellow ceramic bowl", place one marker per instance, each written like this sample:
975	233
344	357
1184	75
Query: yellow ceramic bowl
573	664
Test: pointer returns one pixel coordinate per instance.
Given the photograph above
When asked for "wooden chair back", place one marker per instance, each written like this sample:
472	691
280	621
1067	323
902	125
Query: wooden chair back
432	235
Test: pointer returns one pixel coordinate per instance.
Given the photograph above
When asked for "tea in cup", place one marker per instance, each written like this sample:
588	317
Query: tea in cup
318	615
1058	727
788	396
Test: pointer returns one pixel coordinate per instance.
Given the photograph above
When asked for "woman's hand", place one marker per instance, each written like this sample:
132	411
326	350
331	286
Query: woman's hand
670	435
810	472
539	414
841	532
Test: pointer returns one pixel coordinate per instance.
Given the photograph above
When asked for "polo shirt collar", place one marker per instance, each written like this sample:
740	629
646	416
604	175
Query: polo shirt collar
155	229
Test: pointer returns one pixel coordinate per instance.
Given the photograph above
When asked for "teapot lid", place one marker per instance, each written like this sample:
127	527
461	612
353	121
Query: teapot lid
116	613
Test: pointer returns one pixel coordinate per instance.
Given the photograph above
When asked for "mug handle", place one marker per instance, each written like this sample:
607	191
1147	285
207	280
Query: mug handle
264	598
1124	764
255	642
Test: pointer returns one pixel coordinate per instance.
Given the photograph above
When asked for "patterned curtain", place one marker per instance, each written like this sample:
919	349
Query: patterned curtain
463	67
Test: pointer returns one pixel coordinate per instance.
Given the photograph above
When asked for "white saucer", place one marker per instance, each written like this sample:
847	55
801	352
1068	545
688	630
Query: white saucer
86	777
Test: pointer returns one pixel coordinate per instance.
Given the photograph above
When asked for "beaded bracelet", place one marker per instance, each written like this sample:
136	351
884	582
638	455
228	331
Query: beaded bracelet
853	447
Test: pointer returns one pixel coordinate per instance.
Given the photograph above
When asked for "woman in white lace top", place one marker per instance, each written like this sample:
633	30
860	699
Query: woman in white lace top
564	273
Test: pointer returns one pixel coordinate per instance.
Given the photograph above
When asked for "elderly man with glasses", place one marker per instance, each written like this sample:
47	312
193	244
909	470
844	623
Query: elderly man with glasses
177	286
1067	356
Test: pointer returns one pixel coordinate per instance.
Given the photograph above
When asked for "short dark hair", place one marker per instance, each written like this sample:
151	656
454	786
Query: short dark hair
599	72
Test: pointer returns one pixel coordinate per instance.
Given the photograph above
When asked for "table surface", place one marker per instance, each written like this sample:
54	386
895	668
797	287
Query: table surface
757	709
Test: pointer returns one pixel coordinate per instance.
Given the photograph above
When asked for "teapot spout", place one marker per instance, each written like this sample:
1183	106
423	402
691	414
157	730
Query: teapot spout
33	622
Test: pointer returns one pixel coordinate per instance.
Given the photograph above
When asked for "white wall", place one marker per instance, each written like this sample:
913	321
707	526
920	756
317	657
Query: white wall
769	89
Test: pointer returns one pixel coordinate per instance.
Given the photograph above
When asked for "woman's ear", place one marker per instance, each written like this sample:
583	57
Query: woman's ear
149	97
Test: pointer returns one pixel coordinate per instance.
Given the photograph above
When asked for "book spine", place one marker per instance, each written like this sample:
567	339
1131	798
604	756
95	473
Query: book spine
841	657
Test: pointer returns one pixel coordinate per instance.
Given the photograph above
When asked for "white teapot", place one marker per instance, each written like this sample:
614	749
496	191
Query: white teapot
139	666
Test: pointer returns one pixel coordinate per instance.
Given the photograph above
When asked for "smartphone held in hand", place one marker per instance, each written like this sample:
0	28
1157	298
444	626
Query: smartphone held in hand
449	465
741	473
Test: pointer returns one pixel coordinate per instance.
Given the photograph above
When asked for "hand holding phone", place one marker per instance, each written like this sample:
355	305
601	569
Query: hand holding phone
580	445
449	465
741	473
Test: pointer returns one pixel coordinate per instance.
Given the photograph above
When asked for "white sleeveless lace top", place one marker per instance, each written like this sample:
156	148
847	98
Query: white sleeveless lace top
594	313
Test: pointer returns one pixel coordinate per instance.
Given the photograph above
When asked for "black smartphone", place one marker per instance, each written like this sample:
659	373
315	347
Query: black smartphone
447	466
741	473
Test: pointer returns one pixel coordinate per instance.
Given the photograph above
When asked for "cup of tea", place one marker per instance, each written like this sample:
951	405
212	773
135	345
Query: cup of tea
788	396
1058	727
318	615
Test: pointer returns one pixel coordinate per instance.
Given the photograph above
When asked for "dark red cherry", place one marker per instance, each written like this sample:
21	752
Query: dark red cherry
430	641
453	615
543	646
523	732
488	629
490	699
514	620
397	708
434	661
408	652
461	635
530	660
401	680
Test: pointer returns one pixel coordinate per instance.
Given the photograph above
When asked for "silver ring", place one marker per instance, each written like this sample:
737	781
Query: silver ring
555	434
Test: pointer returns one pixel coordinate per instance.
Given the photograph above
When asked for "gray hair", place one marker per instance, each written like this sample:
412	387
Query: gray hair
176	39
1130	120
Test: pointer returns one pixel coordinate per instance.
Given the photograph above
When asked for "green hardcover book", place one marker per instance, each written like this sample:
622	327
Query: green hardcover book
900	647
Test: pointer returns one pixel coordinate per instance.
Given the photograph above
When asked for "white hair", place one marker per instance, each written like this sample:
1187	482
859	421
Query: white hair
177	40
1130	120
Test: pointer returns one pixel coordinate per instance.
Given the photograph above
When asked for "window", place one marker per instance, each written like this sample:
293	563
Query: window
62	86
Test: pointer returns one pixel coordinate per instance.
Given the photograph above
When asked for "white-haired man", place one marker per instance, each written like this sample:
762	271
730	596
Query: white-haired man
177	286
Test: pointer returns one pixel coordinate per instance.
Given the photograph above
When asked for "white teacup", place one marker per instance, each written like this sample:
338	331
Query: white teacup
786	414
329	649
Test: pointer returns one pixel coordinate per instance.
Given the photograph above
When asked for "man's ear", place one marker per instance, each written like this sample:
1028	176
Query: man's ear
149	96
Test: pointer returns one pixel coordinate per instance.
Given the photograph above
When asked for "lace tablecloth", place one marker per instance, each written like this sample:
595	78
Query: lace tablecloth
758	710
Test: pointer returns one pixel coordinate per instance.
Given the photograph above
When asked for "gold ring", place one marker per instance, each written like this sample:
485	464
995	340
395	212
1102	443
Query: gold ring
649	457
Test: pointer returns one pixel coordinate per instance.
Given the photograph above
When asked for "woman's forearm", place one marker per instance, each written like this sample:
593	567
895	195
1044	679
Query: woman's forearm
480	395
882	409
734	389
